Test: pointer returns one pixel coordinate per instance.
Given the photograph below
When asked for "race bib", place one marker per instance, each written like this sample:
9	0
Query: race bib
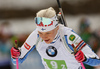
56	64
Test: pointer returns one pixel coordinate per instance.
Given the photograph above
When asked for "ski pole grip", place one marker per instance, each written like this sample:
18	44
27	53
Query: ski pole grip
16	46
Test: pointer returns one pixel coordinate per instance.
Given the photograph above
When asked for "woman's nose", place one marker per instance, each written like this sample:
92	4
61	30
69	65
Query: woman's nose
44	36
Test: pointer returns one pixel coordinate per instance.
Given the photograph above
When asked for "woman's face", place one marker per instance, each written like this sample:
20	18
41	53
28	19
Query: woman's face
48	36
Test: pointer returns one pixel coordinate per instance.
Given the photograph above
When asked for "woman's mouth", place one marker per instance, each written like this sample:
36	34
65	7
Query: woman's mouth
46	40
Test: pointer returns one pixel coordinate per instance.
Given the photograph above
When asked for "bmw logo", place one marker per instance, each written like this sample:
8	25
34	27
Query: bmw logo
51	51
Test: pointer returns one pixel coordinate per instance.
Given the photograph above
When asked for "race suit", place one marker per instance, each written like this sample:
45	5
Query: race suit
57	55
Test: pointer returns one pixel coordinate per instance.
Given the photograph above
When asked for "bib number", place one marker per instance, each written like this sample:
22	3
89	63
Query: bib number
56	64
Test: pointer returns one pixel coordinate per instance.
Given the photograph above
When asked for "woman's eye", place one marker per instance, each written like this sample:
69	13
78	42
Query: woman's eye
48	33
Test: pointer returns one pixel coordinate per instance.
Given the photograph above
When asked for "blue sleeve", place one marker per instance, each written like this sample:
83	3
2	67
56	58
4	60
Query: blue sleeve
92	62
20	60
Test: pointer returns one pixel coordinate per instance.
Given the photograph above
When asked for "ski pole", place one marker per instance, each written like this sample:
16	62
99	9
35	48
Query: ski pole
75	50
16	46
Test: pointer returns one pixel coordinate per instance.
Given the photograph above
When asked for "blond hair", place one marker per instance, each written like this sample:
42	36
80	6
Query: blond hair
48	13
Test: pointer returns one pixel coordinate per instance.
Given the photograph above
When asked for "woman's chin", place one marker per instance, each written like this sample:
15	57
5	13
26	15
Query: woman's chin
47	42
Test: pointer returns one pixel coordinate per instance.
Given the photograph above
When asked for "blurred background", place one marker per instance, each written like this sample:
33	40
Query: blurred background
17	22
